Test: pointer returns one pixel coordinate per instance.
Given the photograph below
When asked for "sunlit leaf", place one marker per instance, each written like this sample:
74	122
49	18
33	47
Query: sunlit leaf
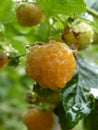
67	7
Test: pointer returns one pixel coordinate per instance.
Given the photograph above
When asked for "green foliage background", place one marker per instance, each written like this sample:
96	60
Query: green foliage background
15	40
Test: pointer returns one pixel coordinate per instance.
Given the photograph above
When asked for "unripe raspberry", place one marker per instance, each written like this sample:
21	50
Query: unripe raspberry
36	119
52	65
95	41
79	35
29	14
3	60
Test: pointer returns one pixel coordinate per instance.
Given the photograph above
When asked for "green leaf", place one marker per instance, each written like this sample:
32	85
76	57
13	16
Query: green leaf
76	97
77	101
7	13
42	31
67	7
19	43
88	73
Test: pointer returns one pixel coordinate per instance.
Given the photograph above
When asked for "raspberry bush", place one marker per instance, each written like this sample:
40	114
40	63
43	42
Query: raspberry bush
46	54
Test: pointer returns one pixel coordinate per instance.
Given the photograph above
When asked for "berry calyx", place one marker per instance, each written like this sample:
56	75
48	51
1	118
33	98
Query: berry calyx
3	59
29	14
78	36
52	65
36	119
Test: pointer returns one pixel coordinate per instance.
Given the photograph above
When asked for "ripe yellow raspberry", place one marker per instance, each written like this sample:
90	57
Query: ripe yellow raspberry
3	60
52	65
35	119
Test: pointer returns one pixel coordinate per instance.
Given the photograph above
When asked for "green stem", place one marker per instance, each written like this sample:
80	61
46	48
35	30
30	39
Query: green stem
60	19
91	11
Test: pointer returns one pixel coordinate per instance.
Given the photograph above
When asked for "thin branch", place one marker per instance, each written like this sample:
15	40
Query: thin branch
93	12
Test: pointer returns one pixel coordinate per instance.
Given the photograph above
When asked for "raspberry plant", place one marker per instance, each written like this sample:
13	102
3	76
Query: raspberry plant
48	48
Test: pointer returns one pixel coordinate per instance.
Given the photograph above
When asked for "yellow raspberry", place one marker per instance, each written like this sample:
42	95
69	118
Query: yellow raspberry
35	119
52	65
29	14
